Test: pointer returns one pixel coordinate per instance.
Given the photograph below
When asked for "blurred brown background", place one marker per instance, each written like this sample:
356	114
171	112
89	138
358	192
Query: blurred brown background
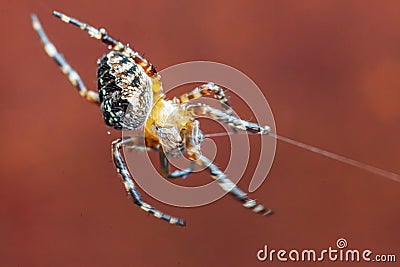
329	69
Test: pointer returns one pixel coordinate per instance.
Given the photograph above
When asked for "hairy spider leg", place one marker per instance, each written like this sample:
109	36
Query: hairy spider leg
219	115
73	76
101	34
164	166
193	149
228	186
206	89
138	143
121	167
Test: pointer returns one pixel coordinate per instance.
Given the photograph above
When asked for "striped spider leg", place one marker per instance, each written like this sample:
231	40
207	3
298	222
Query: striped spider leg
72	75
192	141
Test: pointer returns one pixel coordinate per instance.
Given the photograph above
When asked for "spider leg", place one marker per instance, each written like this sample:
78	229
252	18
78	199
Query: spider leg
164	166
73	76
219	115
101	34
137	143
193	149
206	89
228	186
120	164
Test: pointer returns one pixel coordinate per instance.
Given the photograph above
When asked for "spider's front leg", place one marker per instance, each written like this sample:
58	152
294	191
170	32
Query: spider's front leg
219	115
206	89
164	166
228	186
193	139
122	169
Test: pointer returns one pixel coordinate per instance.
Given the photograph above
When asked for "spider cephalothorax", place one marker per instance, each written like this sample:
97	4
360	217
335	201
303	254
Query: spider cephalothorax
130	96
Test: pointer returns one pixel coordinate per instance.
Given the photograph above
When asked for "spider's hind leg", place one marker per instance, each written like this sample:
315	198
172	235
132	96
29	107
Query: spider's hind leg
122	169
112	43
72	75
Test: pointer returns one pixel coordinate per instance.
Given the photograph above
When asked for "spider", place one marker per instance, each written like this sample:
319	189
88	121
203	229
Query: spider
130	96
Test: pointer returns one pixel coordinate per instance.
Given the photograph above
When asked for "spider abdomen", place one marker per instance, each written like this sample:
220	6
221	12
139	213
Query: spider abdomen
124	90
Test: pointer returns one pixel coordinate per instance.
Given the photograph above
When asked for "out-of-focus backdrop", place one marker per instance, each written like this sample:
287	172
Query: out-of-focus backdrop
329	69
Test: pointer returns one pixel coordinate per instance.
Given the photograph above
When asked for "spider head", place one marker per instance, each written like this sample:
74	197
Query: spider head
124	90
170	139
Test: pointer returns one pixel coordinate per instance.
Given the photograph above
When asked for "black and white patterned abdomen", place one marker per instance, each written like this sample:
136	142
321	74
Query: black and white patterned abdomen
125	91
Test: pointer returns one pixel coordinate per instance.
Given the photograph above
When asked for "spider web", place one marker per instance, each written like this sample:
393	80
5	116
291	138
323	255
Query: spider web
361	165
